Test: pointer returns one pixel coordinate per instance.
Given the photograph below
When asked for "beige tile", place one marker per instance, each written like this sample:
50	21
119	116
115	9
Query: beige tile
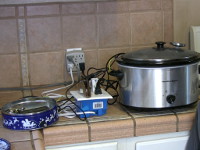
44	34
114	112
147	30
79	8
168	26
21	11
105	54
91	59
7	11
114	30
25	145
14	136
34	10
185	15
79	31
37	135
115	6
112	130
39	145
167	4
63	121
144	5
185	121
70	134
8	36
46	68
9	96
10	71
155	125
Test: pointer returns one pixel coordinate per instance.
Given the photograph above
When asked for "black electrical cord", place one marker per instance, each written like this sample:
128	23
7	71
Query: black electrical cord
74	111
69	100
110	83
106	83
96	69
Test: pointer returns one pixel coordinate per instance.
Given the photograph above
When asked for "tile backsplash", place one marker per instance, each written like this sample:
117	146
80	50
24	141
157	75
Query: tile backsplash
33	38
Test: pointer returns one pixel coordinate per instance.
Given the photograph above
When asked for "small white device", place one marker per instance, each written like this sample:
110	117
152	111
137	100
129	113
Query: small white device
195	38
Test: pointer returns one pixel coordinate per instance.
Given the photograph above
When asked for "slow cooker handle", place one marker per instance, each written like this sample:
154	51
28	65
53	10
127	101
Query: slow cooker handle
117	73
199	73
176	44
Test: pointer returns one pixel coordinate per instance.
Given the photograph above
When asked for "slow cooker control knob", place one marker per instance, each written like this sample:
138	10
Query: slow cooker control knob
171	99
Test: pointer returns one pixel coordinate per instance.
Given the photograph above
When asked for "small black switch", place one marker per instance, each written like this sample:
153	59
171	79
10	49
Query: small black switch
171	99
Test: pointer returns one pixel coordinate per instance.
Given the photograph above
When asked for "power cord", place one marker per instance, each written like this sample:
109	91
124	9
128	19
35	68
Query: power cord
69	109
54	95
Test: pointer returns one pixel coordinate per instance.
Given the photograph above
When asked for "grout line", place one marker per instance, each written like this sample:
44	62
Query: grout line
32	140
177	121
89	130
23	53
18	48
30	92
134	121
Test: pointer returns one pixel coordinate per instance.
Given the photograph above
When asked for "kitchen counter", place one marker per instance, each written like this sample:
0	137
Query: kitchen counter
23	2
22	140
119	122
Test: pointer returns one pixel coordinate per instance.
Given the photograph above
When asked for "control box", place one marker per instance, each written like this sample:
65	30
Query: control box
96	105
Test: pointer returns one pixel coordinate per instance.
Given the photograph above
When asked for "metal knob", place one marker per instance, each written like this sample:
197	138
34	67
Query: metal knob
171	99
160	44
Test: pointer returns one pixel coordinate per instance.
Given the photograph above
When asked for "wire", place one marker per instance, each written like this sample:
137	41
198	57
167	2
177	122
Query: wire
70	109
54	95
109	64
92	68
107	83
68	103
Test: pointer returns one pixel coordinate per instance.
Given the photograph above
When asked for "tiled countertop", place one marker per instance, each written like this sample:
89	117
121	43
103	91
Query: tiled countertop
119	122
22	140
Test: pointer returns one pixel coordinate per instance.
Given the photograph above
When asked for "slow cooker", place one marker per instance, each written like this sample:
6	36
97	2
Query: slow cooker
159	77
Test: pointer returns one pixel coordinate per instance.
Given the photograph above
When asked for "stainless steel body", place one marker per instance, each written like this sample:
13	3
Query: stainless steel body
29	106
159	87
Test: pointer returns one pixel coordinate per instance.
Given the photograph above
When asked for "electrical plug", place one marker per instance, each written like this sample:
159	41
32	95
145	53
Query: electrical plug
70	65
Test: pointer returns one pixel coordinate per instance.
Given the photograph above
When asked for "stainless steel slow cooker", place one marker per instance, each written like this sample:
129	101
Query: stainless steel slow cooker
159	77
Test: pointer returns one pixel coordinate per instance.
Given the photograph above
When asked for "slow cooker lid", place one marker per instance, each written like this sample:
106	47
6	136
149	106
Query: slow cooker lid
161	55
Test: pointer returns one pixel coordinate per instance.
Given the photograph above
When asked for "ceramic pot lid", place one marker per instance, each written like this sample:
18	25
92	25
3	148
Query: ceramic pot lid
161	56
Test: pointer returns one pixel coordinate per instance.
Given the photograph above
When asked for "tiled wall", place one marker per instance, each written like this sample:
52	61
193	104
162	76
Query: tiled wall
185	16
33	37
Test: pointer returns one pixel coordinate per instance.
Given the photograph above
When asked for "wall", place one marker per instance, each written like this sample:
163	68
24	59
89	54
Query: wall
185	15
33	37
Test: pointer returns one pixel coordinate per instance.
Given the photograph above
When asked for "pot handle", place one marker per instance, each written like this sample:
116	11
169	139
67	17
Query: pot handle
199	69
117	73
176	44
26	97
199	73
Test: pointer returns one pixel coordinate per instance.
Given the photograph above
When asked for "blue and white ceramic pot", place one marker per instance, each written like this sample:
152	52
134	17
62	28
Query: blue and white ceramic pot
30	113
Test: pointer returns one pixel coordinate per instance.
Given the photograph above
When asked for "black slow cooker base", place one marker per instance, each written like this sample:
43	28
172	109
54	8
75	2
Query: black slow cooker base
144	109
